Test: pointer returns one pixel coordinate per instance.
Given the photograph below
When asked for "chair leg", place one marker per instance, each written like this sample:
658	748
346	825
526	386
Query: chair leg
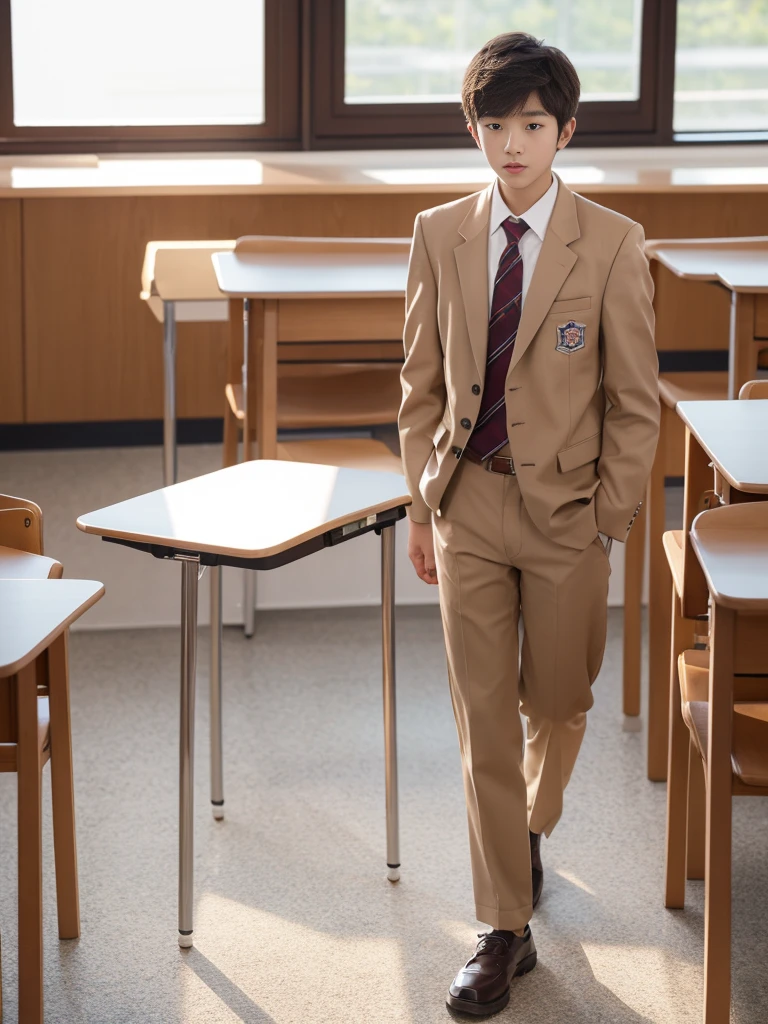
63	791
633	596
659	631
697	816
29	782
677	772
231	437
717	884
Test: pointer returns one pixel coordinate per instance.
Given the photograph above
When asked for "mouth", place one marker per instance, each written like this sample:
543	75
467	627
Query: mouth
514	167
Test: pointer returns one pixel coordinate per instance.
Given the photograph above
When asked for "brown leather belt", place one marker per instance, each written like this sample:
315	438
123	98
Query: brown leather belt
494	464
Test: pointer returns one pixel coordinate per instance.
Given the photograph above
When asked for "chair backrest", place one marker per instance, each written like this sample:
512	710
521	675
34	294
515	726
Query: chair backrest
754	389
21	524
315	245
731	544
21	541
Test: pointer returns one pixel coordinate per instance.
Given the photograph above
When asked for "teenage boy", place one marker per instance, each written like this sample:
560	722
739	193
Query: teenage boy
528	426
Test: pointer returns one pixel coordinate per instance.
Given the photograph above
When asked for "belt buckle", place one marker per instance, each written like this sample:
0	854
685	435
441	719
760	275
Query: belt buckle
507	459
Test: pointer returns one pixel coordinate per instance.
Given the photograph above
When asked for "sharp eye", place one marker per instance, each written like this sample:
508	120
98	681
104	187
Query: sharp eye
495	124
534	124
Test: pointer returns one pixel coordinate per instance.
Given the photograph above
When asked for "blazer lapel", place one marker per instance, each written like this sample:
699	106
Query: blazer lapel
472	265
554	264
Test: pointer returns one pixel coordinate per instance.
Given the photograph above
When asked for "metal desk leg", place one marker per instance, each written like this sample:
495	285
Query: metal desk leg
169	408
249	602
189	568
217	769
390	718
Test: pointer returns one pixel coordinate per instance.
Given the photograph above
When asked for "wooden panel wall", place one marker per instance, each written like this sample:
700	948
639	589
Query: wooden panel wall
94	352
11	355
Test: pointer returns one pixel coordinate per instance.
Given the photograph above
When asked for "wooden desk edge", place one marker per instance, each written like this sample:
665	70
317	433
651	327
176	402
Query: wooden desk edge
402	501
739	485
13	668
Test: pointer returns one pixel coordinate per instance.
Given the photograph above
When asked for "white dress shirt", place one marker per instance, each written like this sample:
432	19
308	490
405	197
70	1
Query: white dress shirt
537	219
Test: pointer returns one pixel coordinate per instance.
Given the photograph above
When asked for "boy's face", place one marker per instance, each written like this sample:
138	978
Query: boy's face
520	149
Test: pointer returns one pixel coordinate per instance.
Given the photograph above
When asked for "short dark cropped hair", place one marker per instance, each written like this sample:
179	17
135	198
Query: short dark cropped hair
503	74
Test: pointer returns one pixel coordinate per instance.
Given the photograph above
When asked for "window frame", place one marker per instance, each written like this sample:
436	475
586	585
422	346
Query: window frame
281	128
305	109
338	125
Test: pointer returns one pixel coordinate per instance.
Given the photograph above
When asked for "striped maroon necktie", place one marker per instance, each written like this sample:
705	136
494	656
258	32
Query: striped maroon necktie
490	431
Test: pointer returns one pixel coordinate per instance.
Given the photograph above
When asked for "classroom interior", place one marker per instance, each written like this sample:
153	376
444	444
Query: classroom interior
230	783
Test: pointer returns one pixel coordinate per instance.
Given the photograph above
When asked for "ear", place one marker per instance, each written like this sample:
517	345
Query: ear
567	133
473	133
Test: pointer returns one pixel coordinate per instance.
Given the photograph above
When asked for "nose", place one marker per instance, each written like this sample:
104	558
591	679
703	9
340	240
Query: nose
515	145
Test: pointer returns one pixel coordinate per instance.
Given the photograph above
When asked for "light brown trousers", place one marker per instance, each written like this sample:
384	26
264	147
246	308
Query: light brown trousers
493	564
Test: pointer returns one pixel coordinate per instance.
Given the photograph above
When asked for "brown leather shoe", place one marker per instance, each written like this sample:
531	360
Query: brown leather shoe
482	985
537	869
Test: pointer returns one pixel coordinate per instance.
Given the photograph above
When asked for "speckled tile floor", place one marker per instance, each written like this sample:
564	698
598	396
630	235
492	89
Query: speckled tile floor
296	922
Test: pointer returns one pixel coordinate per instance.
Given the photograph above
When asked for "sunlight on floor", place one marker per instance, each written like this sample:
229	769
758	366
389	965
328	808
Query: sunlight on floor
282	971
626	970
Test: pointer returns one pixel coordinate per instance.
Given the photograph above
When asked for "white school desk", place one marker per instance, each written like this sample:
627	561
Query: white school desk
734	437
283	282
258	515
739	265
179	286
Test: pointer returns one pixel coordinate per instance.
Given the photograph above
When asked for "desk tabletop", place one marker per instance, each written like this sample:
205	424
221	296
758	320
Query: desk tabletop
34	612
741	264
252	510
307	276
733	434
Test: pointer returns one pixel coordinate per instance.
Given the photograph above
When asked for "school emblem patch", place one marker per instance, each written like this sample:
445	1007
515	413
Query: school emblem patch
570	337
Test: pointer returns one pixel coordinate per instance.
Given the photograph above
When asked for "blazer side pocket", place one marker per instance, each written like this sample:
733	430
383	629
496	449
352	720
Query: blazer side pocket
579	454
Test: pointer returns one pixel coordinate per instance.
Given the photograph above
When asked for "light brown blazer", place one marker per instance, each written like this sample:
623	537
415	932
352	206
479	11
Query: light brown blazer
582	424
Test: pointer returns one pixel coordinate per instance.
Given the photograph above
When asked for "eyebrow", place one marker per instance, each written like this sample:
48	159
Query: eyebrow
523	113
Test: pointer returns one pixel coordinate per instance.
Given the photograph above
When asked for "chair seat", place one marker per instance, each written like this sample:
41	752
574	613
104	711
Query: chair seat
749	753
8	748
693	673
350	396
686	387
21	565
673	549
352	453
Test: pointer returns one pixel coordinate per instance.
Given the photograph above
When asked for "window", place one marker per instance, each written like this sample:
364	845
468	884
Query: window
401	52
137	62
721	66
86	75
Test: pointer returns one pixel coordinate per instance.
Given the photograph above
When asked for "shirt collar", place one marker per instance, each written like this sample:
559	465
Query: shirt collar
536	217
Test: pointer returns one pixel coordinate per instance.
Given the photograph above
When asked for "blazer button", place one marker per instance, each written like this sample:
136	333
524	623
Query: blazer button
466	423
457	451
475	389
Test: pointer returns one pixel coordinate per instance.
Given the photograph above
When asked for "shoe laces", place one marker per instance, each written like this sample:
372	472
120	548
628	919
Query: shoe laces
493	945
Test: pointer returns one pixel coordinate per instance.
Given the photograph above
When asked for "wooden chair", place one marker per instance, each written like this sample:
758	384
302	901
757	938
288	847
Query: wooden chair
338	373
668	461
719	711
21	557
705	386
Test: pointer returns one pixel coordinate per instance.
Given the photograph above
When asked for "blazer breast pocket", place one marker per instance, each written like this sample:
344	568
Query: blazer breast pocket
570	305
